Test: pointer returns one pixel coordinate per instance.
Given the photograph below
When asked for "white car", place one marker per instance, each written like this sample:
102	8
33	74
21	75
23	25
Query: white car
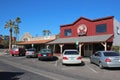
71	57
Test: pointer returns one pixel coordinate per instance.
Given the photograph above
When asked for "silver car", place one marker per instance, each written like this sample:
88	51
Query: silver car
106	59
71	57
31	53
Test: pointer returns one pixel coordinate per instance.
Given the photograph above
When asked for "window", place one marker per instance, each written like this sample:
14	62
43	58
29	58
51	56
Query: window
111	54
101	28
67	32
71	53
25	39
97	54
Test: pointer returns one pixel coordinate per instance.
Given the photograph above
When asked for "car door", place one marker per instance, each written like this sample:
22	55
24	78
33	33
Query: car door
93	58
98	55
96	58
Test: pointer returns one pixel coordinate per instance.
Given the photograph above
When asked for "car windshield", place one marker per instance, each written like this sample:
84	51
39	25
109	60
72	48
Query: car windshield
15	49
45	51
111	54
71	53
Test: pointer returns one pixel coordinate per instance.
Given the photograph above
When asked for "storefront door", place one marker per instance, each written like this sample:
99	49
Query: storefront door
88	50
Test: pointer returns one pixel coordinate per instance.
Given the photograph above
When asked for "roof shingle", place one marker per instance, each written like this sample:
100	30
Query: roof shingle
83	39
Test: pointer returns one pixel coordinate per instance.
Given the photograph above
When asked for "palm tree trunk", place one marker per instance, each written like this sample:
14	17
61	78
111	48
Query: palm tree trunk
10	39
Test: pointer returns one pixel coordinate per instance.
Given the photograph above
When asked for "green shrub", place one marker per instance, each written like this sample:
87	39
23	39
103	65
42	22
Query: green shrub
116	48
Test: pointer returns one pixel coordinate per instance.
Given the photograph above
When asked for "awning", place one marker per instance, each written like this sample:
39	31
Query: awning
83	39
34	42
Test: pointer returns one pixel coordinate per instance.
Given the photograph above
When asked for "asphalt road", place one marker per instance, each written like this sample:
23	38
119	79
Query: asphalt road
32	69
8	72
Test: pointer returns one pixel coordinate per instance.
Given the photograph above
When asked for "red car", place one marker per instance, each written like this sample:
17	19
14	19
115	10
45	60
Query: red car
18	51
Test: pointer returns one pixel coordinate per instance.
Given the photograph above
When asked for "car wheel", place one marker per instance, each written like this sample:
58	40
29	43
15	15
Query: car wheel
12	54
100	65
63	64
27	57
39	59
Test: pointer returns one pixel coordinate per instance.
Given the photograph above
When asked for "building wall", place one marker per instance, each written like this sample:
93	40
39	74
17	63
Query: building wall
30	38
116	40
91	27
26	36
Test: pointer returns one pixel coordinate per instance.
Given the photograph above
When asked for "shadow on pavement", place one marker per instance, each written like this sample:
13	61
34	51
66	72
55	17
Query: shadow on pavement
82	64
54	58
113	69
10	75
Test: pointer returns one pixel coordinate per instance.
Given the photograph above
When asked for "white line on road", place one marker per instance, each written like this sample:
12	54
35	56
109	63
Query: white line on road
56	63
92	69
47	74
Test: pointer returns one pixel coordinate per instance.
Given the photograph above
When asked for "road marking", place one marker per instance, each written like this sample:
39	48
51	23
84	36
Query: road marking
40	72
68	68
92	69
56	63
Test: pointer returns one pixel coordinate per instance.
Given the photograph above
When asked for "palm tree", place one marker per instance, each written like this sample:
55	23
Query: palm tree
46	32
16	32
12	24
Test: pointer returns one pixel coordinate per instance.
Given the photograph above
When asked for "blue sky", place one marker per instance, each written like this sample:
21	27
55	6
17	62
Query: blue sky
39	15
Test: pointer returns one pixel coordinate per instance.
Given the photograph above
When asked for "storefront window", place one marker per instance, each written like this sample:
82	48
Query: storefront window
67	32
101	28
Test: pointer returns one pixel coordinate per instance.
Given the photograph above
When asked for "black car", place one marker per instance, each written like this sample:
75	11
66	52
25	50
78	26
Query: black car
45	54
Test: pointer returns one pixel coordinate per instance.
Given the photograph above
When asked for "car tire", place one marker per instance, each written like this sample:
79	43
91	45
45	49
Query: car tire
39	58
27	56
63	64
12	54
100	65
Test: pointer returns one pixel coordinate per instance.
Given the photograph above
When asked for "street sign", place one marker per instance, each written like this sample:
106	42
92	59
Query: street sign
77	42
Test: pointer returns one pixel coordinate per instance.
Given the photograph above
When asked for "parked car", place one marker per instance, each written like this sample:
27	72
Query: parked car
31	53
106	59
71	57
45	54
17	51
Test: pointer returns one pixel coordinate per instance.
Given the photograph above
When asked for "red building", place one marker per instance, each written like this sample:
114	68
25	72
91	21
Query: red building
89	36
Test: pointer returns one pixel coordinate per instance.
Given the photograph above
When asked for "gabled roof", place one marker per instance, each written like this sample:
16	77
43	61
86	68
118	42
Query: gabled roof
99	19
34	42
84	39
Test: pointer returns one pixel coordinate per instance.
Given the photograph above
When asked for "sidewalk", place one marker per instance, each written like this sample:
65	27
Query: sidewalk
85	59
4	51
1	53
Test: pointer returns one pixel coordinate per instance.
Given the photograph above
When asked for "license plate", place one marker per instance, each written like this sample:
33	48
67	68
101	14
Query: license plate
119	60
71	58
44	55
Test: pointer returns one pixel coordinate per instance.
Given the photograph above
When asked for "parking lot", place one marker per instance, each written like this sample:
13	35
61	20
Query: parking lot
86	69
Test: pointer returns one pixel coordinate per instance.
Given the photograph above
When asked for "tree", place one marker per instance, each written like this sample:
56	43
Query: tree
12	24
16	32
46	32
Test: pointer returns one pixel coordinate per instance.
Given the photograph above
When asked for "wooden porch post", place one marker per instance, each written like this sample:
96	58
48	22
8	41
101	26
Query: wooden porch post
54	48
61	48
80	48
47	46
105	45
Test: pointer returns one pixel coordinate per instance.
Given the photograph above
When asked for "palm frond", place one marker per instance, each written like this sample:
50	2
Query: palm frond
18	20
6	25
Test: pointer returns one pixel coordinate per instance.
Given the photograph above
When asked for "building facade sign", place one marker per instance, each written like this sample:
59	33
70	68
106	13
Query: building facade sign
82	30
